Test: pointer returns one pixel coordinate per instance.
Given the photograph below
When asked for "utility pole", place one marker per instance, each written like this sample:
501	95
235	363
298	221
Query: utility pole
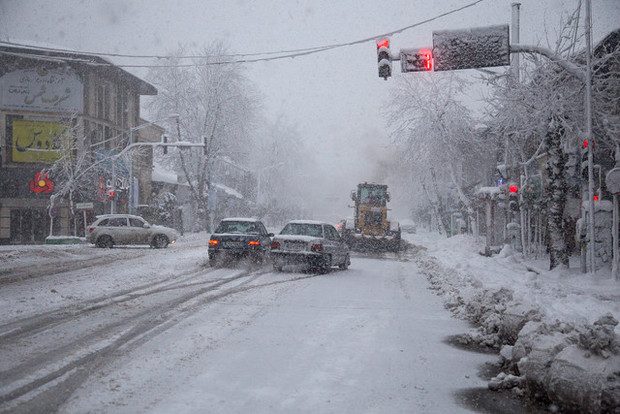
588	108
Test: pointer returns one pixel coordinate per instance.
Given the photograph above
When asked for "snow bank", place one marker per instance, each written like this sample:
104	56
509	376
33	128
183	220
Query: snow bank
555	330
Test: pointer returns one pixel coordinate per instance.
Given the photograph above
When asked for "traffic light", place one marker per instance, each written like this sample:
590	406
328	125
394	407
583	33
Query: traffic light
416	60
585	147
513	193
111	192
384	58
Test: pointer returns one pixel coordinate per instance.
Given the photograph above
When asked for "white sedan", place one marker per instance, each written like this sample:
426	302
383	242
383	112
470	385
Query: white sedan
309	243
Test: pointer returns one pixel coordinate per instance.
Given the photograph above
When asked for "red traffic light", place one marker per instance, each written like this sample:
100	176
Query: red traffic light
587	144
513	189
426	57
416	60
384	58
383	43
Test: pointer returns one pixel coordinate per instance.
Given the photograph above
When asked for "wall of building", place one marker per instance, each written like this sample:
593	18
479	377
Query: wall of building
45	102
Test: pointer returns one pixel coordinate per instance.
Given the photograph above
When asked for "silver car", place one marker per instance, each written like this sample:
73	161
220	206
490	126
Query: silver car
111	229
313	244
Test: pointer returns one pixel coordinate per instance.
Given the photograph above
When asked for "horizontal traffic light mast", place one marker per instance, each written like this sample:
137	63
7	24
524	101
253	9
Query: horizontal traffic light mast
452	50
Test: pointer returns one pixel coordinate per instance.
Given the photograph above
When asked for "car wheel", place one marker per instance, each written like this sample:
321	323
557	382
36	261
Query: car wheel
346	263
160	242
325	265
105	242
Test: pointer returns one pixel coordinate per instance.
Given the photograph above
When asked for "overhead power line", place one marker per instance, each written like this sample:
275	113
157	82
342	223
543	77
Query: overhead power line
238	58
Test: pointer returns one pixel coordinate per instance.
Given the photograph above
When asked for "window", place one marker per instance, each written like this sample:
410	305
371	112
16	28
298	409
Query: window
331	233
118	222
134	222
246	227
262	228
303	229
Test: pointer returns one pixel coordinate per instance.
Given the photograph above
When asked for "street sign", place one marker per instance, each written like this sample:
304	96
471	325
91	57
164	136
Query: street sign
416	60
84	206
471	48
612	180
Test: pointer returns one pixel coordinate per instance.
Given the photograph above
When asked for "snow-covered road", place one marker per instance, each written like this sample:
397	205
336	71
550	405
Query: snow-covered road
159	331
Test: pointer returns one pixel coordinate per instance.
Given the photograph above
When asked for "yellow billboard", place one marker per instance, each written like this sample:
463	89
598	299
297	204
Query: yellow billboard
38	141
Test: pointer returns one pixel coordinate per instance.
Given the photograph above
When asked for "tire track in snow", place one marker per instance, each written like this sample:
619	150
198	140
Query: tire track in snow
50	378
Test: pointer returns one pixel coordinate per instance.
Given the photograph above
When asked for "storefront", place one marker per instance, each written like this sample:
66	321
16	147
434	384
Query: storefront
57	109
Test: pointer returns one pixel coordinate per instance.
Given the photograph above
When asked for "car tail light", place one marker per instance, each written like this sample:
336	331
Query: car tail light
91	229
275	245
316	247
254	243
213	242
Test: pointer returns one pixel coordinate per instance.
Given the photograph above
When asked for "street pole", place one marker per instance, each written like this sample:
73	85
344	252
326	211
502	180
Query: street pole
113	200
588	108
131	201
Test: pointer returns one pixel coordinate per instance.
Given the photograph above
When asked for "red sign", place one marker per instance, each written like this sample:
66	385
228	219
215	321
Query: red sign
41	183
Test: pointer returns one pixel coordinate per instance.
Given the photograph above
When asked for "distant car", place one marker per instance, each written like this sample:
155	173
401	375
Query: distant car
408	226
236	238
122	229
313	244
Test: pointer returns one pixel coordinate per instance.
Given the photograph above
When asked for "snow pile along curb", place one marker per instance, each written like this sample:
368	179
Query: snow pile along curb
571	365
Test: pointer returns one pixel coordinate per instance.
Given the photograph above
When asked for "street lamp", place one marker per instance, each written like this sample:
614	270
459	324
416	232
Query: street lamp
132	200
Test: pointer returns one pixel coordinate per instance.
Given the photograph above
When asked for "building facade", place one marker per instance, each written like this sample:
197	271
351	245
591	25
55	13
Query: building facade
73	111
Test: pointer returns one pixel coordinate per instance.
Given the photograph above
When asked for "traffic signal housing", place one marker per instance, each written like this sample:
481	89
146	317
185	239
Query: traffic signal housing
585	148
416	60
384	58
513	194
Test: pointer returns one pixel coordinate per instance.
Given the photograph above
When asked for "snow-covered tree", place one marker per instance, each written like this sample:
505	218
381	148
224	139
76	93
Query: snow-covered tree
74	171
437	137
214	102
542	116
281	155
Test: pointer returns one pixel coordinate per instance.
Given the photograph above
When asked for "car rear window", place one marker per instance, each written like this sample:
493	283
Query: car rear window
246	227
303	229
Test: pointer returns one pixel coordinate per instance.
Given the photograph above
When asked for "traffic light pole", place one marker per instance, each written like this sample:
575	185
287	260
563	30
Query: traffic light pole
571	68
588	107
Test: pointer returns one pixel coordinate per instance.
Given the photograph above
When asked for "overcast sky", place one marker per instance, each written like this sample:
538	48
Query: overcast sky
334	97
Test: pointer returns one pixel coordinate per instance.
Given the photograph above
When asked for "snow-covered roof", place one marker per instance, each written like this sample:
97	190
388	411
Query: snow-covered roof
307	222
228	190
248	219
34	50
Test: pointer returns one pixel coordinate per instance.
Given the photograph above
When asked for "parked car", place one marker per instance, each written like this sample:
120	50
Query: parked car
236	238
313	244
112	229
408	226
